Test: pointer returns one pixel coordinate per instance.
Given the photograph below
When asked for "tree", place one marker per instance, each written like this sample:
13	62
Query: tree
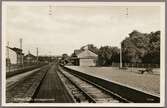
65	58
141	47
107	55
153	54
115	54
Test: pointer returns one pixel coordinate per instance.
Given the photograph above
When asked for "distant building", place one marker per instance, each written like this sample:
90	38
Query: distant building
11	56
45	59
14	56
30	58
84	58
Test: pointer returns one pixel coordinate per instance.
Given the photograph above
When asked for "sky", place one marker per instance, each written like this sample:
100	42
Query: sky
55	30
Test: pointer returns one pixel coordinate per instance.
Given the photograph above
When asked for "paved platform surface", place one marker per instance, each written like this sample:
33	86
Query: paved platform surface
52	89
145	82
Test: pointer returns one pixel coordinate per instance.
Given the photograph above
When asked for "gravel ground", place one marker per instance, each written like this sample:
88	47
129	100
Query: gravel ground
145	82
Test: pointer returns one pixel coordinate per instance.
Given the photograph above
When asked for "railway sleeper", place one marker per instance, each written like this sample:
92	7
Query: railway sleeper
89	90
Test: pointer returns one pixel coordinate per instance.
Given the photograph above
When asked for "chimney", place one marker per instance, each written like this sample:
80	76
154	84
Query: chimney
20	43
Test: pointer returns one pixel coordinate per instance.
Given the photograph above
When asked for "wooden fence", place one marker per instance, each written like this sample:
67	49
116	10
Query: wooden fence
137	65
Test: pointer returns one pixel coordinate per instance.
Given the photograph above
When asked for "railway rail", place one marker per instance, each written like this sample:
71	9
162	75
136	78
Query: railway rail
21	88
86	91
118	91
51	89
58	84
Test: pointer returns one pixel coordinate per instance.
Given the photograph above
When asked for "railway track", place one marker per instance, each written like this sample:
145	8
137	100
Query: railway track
22	88
118	91
86	91
51	89
55	84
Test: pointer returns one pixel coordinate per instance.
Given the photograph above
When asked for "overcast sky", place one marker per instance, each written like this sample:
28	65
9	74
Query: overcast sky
57	29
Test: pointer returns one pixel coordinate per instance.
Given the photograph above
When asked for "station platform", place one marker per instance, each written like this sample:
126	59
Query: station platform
149	83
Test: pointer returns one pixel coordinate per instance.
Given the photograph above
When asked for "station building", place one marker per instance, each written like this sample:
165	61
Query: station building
84	58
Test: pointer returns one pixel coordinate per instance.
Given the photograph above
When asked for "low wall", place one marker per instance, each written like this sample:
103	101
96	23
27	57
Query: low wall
19	71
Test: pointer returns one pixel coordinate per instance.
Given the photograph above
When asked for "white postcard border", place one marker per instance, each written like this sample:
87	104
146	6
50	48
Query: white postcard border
162	58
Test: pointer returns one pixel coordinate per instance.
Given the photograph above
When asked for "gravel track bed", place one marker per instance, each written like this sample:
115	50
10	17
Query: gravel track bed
98	95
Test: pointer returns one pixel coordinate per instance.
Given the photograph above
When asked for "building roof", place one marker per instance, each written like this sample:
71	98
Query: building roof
17	50
30	55
87	54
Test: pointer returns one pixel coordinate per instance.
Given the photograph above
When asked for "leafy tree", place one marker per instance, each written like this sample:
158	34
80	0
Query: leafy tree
65	58
141	47
104	55
153	53
115	54
107	55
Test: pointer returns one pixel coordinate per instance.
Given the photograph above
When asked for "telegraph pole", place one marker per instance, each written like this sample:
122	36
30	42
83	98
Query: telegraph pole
8	59
8	50
50	10
127	13
21	55
121	56
37	54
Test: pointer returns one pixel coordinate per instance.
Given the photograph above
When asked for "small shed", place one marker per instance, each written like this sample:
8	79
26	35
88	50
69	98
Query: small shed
85	57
